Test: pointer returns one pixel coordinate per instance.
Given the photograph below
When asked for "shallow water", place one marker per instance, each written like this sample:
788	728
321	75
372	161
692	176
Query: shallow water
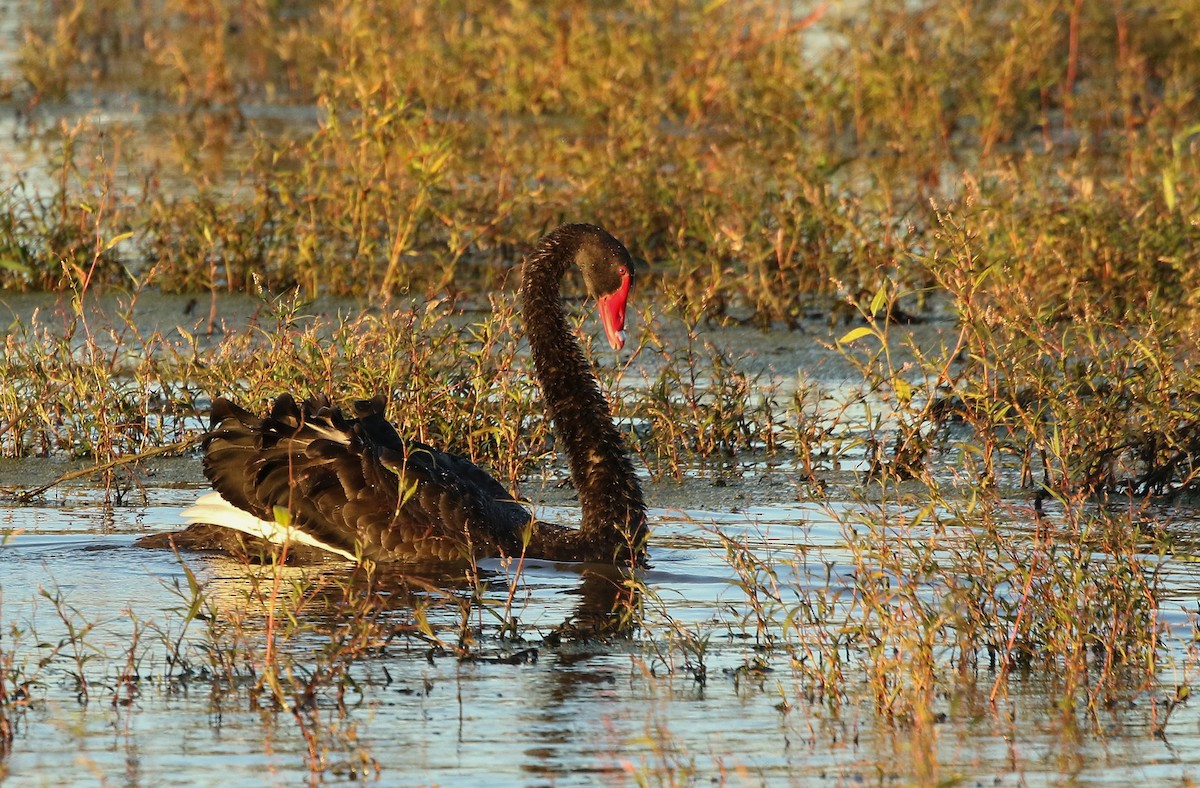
708	689
535	711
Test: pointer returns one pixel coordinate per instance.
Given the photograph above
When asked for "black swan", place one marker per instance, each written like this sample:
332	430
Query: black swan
309	474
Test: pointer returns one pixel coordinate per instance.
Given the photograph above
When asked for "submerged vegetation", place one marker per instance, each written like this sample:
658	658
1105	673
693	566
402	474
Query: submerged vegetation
990	210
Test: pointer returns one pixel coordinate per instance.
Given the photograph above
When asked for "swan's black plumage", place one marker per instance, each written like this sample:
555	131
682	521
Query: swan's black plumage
351	482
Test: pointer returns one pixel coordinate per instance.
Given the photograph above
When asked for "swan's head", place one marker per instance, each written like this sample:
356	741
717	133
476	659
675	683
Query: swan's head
608	272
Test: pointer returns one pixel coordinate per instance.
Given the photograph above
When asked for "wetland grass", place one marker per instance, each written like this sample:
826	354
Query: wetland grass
1008	485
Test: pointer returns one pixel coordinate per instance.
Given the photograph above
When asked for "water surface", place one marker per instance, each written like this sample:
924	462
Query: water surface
693	696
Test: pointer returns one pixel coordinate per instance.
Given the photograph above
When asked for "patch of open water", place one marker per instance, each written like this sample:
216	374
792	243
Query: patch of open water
569	712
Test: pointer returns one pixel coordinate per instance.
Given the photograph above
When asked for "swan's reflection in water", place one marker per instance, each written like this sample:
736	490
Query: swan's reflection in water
404	628
463	610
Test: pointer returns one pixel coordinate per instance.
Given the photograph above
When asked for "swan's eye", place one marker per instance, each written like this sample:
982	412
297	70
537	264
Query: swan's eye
622	271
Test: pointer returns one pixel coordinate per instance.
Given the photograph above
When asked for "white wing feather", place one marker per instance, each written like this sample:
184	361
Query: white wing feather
212	509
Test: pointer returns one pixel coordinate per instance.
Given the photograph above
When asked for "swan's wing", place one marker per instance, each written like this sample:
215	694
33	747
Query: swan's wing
354	484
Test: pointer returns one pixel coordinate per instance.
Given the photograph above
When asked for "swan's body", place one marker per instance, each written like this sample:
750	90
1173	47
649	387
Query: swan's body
309	474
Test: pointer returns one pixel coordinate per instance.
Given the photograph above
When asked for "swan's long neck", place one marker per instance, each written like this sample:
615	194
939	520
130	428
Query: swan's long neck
614	514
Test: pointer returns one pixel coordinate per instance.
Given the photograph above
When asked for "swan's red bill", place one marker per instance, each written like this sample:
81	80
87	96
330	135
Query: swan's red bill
612	313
